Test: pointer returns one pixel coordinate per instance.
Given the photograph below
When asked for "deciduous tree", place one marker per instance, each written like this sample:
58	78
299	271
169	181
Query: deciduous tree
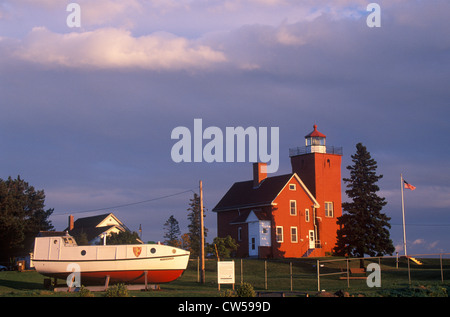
22	216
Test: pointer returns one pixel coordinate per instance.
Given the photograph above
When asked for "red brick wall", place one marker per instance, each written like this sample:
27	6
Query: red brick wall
322	175
283	217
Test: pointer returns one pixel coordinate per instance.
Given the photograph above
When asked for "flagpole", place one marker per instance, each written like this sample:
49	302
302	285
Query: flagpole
403	214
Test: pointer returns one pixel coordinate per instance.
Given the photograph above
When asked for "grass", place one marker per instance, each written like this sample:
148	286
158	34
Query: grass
426	280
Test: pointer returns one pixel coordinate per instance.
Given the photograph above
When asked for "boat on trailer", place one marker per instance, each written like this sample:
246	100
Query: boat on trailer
56	254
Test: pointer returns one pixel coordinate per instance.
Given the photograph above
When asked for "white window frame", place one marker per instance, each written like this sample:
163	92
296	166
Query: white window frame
329	209
292	187
294	234
295	207
279	235
306	215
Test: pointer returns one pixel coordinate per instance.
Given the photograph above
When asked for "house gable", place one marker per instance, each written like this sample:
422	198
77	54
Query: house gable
110	220
304	188
96	226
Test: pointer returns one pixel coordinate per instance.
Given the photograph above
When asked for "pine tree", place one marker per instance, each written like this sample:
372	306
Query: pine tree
194	225
363	227
172	232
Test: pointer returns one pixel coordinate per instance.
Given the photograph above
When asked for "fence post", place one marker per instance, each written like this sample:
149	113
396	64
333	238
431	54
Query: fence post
442	272
409	271
265	274
318	276
348	276
290	273
242	272
198	269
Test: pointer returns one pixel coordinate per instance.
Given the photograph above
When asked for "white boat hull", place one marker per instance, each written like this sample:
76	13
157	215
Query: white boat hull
54	257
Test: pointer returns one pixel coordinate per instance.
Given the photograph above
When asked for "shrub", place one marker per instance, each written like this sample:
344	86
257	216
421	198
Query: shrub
84	292
245	290
118	290
228	293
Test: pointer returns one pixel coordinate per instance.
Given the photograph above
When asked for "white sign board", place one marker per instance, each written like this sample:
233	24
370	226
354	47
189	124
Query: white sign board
225	272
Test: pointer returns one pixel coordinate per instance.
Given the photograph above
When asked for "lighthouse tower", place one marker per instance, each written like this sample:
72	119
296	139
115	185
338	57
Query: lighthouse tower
319	167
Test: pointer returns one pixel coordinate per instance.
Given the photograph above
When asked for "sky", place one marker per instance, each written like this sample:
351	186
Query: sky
87	112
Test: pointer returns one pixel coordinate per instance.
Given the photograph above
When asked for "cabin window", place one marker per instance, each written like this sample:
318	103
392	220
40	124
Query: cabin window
329	209
293	204
152	250
83	253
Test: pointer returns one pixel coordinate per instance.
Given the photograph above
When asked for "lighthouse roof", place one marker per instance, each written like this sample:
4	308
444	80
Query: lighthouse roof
315	133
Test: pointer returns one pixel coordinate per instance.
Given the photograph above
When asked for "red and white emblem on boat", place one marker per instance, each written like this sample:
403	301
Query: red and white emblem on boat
137	251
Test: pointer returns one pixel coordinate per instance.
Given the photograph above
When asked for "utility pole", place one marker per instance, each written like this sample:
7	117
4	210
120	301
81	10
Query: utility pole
202	238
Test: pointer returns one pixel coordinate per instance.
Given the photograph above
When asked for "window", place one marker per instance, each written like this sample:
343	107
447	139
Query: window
279	234
293	204
328	209
239	233
307	215
253	243
294	234
292	187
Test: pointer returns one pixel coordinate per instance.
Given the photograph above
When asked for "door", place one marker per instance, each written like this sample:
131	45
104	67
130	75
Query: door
253	238
55	246
312	239
252	247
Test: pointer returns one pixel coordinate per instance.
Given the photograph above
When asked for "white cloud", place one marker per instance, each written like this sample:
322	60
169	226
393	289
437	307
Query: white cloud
116	48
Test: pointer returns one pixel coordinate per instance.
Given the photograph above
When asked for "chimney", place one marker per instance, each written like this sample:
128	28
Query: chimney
70	222
259	173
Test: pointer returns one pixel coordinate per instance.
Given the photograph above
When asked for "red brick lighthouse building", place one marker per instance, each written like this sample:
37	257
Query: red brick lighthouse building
291	215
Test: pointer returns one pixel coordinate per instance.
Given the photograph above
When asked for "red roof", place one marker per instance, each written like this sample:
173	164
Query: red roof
315	133
244	195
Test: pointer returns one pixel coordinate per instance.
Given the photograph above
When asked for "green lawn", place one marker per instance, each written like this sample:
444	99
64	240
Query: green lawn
426	280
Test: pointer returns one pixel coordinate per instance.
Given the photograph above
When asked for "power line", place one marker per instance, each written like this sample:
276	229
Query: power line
423	225
125	205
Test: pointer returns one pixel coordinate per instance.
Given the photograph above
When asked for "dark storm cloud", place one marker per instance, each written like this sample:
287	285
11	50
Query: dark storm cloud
87	115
